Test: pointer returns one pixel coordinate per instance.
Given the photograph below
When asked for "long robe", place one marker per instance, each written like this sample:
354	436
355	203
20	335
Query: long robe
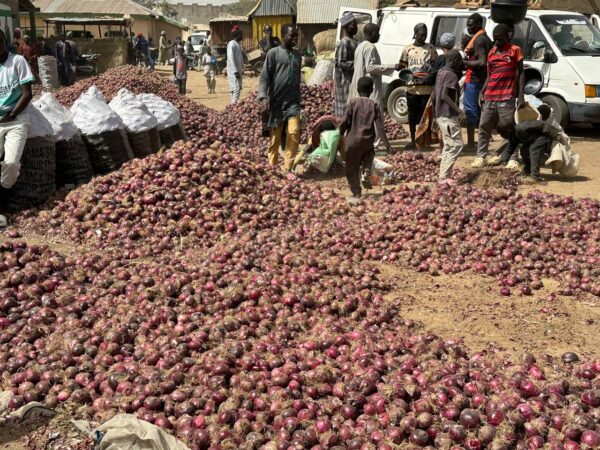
235	63
367	62
343	73
280	83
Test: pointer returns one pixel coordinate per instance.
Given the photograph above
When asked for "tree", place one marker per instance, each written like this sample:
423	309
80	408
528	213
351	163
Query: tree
243	7
240	8
159	6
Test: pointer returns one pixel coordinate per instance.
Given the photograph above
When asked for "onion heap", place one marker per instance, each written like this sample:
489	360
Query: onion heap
209	295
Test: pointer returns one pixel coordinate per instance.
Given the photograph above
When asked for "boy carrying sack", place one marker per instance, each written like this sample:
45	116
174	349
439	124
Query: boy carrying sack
363	122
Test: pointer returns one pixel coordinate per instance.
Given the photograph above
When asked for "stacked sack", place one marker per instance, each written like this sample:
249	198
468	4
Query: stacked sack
102	130
73	165
140	123
167	115
37	177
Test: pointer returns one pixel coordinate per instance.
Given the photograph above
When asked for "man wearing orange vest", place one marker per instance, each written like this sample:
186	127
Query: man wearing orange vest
476	53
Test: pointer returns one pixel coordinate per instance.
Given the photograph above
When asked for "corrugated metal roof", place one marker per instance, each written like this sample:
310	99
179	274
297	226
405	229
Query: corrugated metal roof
272	8
327	11
93	7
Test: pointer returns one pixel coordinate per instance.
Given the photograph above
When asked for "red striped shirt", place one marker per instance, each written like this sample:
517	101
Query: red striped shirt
502	72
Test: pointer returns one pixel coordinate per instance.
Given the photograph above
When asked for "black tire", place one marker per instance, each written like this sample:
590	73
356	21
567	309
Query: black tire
560	109
397	107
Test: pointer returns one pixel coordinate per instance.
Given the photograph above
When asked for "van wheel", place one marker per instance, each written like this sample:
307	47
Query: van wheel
397	106
560	108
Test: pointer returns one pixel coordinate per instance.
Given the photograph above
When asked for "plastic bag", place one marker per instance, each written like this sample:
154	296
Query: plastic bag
322	158
59	117
167	115
133	112
323	72
48	72
39	126
92	115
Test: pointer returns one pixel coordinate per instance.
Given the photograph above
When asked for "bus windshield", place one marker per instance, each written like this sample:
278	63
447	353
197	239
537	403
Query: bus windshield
574	35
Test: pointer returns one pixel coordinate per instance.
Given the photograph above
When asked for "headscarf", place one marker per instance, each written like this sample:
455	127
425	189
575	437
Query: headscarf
420	27
447	40
347	18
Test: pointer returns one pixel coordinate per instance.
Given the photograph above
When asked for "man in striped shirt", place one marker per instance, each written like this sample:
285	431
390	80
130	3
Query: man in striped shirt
504	84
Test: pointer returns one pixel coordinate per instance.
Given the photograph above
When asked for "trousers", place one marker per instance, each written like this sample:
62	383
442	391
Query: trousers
498	116
211	79
292	141
453	144
235	87
182	88
13	136
416	107
358	156
471	103
534	154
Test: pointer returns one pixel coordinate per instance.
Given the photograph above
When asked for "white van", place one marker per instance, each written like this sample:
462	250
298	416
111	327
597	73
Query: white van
197	37
571	70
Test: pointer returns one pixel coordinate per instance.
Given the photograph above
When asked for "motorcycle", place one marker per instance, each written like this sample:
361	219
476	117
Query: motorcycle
193	61
87	65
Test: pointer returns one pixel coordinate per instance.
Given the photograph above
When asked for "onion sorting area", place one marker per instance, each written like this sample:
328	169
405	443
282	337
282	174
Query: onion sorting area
205	293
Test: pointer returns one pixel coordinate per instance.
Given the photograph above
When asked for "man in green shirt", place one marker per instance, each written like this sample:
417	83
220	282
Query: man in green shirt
279	94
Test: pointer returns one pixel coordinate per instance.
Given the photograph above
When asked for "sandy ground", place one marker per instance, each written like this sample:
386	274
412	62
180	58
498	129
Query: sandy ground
450	305
462	306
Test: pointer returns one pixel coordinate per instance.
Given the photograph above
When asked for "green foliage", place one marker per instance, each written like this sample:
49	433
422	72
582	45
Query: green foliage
240	8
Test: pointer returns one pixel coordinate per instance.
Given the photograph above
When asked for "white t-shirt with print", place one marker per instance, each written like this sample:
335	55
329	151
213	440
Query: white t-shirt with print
14	72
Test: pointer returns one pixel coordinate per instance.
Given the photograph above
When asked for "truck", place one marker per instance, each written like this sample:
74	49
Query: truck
570	69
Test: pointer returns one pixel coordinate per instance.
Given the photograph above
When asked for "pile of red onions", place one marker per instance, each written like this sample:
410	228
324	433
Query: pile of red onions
207	294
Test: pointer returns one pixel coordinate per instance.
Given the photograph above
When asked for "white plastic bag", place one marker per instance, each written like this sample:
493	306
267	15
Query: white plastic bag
59	117
323	72
92	115
48	72
165	112
39	126
133	112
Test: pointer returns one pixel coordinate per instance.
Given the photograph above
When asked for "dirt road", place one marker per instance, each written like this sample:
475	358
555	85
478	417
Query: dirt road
586	141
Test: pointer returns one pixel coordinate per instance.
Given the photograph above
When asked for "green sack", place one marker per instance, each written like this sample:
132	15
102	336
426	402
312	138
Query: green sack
322	158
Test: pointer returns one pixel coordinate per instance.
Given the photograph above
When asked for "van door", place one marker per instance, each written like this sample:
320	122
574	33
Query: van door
362	16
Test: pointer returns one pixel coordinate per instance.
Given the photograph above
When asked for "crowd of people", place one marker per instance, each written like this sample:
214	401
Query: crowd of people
492	91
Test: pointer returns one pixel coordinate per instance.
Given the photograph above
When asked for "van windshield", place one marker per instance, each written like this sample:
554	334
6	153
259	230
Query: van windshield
196	38
574	35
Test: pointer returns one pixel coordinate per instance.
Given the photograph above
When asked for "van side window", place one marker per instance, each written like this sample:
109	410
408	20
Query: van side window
361	19
450	24
520	36
534	51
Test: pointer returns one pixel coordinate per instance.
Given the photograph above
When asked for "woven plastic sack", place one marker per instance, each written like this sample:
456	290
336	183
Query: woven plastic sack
154	140
92	115
108	151
324	155
59	117
165	112
133	112
39	126
73	165
48	72
140	144
323	72
37	179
